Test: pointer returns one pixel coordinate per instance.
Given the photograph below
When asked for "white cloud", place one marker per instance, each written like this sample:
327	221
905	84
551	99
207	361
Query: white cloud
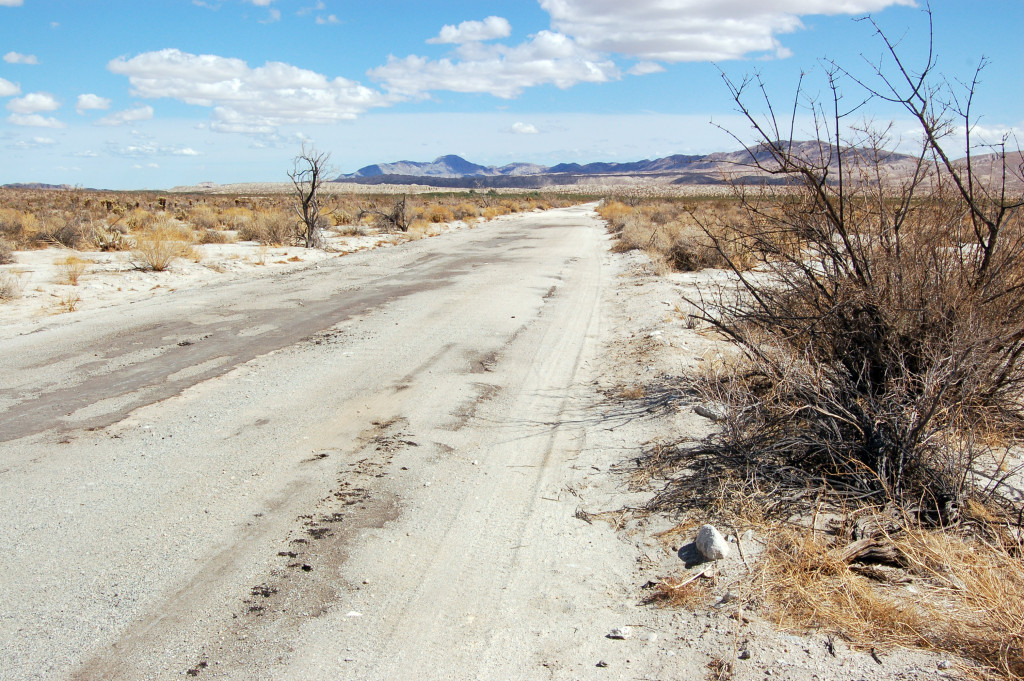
644	68
246	99
86	154
133	115
520	128
9	89
261	3
272	17
187	151
474	31
91	102
19	58
10	3
503	71
33	102
329	19
692	30
34	143
34	121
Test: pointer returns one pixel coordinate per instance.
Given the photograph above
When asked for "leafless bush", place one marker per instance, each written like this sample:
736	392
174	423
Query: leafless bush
883	330
6	252
387	218
11	286
270	227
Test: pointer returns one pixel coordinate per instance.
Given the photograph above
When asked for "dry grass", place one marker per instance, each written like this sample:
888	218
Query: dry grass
675	233
157	248
71	269
11	286
953	594
68	302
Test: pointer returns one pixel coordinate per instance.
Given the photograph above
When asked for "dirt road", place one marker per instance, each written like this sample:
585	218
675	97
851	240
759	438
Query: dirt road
362	470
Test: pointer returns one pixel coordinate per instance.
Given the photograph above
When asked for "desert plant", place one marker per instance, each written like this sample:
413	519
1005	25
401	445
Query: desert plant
11	286
6	252
883	331
69	302
388	218
157	248
271	227
203	217
71	269
308	175
110	239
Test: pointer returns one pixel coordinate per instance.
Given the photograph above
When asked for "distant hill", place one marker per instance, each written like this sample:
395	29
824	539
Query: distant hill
35	185
716	168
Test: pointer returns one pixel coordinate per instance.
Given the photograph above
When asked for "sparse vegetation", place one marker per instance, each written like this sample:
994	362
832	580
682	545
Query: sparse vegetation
71	269
877	324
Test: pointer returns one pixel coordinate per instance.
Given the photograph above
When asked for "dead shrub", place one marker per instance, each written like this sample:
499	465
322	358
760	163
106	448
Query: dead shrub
883	328
6	252
203	217
63	229
71	269
214	236
11	286
139	219
274	228
157	248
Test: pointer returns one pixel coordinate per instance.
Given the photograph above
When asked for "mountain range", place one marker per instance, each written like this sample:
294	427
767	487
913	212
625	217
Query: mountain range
715	168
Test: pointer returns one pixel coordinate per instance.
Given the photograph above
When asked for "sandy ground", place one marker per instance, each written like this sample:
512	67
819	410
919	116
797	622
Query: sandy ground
399	463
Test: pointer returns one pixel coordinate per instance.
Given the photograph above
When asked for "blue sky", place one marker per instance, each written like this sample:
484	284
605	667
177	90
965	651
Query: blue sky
154	94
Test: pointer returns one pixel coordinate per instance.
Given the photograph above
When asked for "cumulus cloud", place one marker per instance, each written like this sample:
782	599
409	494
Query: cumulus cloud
9	89
692	30
646	67
261	3
34	121
19	58
520	128
474	31
272	17
330	19
503	71
243	98
133	115
33	102
91	102
10	3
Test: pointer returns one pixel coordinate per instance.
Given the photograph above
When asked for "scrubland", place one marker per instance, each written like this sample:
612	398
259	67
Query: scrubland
867	405
54	243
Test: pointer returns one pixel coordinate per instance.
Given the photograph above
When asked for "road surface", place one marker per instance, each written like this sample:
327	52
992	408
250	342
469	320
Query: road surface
359	470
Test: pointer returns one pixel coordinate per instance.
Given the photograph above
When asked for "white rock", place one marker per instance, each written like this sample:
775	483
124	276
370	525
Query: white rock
711	545
619	634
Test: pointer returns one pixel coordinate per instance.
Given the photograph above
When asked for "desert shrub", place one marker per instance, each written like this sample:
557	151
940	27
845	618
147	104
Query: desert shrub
139	219
437	214
272	227
110	239
158	247
11	286
237	218
465	209
6	252
71	269
203	217
214	236
882	331
18	226
64	229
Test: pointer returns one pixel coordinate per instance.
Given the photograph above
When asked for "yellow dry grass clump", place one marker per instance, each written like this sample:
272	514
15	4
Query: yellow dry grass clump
954	594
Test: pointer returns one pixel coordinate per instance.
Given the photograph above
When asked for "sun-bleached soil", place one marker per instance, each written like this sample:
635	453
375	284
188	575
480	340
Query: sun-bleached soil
398	463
